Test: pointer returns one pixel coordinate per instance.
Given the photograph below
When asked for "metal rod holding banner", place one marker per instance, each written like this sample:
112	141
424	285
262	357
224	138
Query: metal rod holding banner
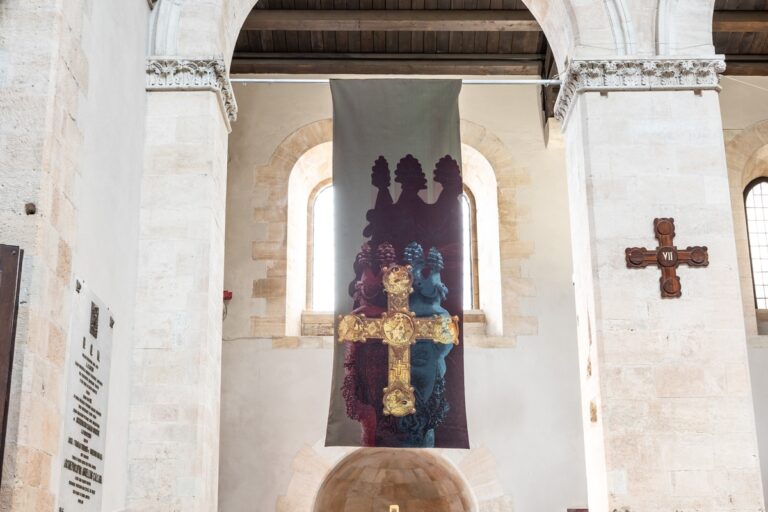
467	81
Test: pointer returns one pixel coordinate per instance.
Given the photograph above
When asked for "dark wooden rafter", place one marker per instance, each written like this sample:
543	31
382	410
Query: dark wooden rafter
392	20
388	64
740	21
746	65
443	37
433	20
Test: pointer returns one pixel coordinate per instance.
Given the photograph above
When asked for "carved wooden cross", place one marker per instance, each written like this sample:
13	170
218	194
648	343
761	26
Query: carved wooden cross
399	329
667	256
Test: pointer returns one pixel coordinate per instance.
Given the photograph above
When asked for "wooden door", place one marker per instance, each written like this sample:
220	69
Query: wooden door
10	276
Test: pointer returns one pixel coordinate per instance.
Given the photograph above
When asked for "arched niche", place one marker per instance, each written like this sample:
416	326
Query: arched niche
374	479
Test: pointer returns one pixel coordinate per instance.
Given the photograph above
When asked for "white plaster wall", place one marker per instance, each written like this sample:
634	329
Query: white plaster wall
107	192
523	402
270	113
758	367
744	102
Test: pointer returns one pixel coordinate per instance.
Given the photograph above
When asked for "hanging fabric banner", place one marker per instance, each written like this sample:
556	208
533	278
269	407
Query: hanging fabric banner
398	378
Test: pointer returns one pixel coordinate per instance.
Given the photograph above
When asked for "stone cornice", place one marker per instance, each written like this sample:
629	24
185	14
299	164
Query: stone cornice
207	74
636	75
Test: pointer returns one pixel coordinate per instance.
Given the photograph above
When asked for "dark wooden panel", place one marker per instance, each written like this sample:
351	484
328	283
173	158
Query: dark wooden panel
746	65
10	276
395	66
759	44
740	21
392	19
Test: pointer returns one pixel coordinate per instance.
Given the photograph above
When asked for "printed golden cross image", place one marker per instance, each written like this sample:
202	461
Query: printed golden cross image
399	328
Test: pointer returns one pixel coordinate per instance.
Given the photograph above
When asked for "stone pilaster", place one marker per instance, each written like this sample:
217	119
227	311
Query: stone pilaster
667	405
206	74
175	394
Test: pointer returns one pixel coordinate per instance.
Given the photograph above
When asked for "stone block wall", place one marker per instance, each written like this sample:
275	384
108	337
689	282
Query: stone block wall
43	78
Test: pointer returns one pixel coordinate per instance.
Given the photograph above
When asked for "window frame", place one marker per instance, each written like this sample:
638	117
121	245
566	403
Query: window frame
750	186
326	183
473	254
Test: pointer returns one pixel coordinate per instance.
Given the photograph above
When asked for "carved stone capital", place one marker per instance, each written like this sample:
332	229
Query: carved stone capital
207	74
636	75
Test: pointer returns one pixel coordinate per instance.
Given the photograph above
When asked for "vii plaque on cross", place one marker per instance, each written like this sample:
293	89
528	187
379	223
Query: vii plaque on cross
83	441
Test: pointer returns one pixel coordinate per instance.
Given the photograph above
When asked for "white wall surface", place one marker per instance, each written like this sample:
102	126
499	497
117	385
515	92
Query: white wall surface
744	102
523	403
107	195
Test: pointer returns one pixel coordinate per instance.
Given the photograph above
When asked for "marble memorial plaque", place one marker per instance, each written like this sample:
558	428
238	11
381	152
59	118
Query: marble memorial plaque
84	435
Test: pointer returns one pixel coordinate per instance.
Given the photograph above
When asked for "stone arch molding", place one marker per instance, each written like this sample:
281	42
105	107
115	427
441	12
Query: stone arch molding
599	45
747	160
492	177
575	29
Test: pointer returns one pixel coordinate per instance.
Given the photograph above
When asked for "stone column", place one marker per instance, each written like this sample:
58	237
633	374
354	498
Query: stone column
174	423
668	419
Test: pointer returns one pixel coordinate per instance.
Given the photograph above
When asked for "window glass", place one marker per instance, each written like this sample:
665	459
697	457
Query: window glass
757	226
323	251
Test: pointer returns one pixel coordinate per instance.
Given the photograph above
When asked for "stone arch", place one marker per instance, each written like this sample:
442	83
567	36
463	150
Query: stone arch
273	248
747	159
194	29
510	183
475	469
312	170
684	28
372	479
298	165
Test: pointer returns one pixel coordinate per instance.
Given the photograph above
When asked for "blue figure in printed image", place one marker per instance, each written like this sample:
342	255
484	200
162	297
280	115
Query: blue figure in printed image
427	358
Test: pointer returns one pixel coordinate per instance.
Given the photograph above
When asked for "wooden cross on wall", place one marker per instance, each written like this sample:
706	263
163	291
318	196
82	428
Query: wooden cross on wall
667	256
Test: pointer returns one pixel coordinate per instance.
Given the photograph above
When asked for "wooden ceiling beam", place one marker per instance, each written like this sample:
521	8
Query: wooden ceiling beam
393	66
446	20
429	64
746	65
392	20
740	21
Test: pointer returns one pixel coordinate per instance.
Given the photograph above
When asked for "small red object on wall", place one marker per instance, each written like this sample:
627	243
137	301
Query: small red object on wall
227	295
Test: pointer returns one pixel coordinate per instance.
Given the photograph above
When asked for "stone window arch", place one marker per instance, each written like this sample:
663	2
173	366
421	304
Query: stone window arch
311	175
280	254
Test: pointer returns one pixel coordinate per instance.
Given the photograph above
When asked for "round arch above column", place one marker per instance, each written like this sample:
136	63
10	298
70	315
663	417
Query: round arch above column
574	29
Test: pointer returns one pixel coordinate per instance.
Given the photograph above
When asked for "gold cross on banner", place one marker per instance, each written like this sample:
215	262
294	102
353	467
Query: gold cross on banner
399	329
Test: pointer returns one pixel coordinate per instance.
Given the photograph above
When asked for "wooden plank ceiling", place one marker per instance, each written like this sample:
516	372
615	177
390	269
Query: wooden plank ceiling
391	36
746	50
473	37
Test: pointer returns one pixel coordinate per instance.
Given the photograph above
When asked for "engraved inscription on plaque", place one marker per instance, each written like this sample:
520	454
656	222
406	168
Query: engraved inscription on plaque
87	392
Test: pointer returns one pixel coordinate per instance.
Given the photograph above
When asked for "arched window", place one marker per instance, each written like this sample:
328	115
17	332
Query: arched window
321	286
756	203
469	238
321	256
